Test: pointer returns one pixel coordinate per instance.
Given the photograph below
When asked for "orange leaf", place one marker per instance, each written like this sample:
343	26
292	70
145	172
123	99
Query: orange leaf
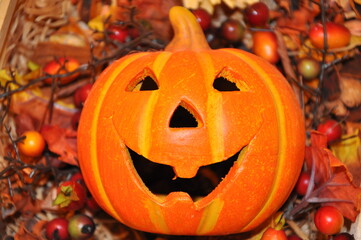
333	181
62	142
30	229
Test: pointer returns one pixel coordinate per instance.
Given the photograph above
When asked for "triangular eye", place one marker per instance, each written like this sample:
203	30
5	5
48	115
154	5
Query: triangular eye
223	84
228	80
144	81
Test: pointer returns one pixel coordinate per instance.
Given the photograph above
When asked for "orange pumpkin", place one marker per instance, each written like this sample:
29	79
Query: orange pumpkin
190	109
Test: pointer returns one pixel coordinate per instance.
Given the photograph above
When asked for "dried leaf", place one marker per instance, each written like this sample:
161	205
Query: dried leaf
24	203
62	142
153	11
66	196
37	106
354	26
30	230
8	207
349	152
333	181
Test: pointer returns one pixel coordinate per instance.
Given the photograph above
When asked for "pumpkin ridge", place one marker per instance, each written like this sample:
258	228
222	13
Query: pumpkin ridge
281	119
94	132
213	108
210	216
156	216
145	140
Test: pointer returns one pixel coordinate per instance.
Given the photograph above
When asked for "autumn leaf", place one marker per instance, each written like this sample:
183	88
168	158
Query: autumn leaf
66	196
349	152
333	182
30	229
7	206
61	141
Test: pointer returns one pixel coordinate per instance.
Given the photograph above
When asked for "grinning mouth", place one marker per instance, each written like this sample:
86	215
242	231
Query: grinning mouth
161	180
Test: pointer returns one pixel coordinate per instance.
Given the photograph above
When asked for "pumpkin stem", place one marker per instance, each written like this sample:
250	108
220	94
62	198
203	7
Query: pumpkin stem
188	34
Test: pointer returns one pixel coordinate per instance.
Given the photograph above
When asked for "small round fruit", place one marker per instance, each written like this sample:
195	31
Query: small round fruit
332	129
61	66
309	68
293	237
81	94
232	30
81	227
118	33
57	229
71	196
273	234
342	236
77	177
302	183
337	35
265	45
91	204
257	14
75	120
203	18
32	145
328	220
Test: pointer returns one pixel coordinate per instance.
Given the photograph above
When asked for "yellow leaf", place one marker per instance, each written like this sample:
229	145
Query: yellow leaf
33	66
348	149
97	23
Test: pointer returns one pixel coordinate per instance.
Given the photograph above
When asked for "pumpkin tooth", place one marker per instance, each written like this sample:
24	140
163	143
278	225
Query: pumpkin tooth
189	171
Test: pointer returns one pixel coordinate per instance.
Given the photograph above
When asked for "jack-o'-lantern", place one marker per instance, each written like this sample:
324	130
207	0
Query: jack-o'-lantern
157	124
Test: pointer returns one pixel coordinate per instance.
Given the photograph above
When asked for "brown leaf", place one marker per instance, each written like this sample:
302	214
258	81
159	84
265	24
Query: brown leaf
8	207
24	203
37	107
153	11
30	229
62	142
354	26
333	181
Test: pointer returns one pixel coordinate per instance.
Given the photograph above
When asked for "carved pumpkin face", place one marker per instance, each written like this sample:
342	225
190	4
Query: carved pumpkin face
183	115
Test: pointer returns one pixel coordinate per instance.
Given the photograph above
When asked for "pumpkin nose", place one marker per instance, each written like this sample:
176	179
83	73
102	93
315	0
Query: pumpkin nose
184	116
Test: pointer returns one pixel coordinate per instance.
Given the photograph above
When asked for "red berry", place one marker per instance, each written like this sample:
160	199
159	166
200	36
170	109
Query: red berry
293	237
91	204
342	236
71	196
232	30
61	66
337	35
77	177
332	129
265	45
81	94
203	18
273	234
328	220
81	227
57	229
302	183
118	33
75	120
257	14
